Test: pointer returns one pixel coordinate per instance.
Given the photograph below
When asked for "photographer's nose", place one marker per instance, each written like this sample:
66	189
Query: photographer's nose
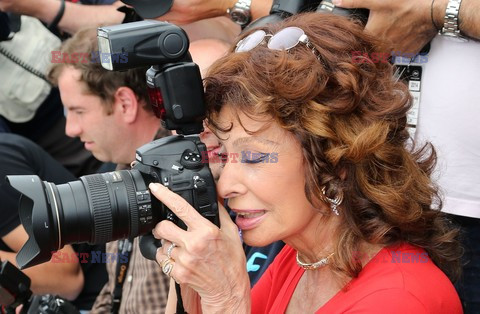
229	184
72	128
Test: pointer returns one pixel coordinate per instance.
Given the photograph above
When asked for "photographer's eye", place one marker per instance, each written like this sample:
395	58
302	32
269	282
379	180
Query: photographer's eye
254	158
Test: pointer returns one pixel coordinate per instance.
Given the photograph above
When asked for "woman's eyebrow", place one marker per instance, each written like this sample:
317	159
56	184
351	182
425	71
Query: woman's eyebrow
245	140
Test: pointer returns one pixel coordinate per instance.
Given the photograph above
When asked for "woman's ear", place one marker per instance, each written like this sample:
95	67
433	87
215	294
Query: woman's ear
127	103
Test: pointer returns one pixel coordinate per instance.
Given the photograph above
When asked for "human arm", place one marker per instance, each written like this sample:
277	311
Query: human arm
207	259
75	17
469	16
64	279
220	27
408	24
188	11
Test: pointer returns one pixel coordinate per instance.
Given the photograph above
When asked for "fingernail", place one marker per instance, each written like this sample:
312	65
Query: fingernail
337	2
154	187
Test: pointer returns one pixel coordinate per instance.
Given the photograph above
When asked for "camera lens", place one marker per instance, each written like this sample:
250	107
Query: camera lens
97	209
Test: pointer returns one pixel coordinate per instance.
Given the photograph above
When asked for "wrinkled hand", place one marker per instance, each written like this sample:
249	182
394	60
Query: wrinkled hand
207	259
188	11
407	24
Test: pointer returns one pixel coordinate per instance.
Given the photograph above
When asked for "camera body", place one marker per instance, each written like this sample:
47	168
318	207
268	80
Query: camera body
15	291
104	207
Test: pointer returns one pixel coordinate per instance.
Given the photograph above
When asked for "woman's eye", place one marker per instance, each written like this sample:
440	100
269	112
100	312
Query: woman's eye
254	158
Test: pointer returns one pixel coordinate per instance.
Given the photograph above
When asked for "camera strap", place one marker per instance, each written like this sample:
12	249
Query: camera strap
180	308
125	247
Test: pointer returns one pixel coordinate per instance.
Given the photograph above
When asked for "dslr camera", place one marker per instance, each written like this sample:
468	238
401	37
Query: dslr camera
103	207
15	291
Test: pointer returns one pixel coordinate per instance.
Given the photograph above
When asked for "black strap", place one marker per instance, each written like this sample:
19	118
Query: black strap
53	25
24	65
180	309
130	14
124	247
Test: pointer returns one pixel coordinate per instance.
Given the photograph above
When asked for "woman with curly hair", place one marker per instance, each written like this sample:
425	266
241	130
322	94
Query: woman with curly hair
326	166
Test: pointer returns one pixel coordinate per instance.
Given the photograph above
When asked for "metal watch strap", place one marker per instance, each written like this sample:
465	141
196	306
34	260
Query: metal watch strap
450	24
242	6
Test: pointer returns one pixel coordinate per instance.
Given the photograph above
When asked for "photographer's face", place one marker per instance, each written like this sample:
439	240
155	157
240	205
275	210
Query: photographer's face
266	191
87	119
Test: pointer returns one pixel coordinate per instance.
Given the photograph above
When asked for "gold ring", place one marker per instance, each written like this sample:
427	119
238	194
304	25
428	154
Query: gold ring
167	266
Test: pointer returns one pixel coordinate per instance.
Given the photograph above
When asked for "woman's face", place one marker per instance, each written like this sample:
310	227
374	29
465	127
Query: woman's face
263	180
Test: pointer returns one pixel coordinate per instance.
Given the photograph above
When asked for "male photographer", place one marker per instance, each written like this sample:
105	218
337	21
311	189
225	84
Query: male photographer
110	113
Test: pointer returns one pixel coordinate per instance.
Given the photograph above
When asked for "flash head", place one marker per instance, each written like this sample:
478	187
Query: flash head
155	43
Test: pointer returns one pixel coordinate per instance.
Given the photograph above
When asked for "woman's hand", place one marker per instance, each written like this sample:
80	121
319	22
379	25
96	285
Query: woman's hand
205	258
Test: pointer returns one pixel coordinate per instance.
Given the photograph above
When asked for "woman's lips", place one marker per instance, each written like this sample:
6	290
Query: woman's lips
249	219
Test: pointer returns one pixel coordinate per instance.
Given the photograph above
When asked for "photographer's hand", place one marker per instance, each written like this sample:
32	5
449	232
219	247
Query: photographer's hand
407	25
75	17
188	11
207	259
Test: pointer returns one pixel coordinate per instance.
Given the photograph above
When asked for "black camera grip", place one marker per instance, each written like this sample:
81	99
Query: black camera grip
149	246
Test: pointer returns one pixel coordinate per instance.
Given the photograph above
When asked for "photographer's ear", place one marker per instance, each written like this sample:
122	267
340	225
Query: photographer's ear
127	104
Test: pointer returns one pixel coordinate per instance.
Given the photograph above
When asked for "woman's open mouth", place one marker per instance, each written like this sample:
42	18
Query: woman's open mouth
249	219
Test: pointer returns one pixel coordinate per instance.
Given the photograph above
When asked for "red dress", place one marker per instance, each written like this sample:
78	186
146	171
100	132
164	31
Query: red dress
400	279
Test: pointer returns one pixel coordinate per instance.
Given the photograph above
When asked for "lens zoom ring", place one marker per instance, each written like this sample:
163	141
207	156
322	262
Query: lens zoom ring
132	202
101	208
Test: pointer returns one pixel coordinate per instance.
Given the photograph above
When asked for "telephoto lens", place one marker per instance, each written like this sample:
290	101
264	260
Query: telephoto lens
96	209
99	208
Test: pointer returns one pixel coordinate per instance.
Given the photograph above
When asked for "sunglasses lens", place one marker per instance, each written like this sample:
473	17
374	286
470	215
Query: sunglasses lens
251	41
285	39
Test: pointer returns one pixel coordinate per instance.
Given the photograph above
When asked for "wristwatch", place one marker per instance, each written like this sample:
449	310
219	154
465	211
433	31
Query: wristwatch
450	27
240	12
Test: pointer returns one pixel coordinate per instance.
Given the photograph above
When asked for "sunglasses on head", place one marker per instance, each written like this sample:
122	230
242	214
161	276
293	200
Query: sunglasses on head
284	39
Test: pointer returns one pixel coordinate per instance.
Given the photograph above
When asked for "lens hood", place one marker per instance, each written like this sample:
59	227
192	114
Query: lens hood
34	206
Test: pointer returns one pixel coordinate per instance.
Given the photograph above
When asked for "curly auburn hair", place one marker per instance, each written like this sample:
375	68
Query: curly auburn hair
100	82
350	118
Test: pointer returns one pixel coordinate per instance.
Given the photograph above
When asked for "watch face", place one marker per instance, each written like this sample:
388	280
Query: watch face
239	17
